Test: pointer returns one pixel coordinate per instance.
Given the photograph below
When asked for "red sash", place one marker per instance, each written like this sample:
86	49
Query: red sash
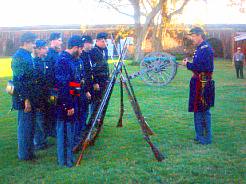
201	80
75	88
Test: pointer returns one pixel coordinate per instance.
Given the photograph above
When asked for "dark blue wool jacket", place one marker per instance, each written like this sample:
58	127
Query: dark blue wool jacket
23	78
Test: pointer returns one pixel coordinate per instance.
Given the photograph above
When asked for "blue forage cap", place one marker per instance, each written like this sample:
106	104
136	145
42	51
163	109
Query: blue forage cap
40	43
86	39
102	35
55	36
75	40
197	30
28	37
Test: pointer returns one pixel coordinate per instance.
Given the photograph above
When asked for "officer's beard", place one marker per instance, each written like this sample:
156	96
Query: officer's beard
76	54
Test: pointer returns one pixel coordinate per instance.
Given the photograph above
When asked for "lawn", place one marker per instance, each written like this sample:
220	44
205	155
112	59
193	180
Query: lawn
121	155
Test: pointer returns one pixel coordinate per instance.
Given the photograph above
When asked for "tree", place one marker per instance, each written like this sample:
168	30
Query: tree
146	13
239	4
167	26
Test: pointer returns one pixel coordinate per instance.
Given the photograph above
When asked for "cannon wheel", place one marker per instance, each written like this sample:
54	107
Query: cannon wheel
160	68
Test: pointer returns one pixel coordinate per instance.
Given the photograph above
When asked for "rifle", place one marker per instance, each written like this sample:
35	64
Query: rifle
91	134
121	105
143	124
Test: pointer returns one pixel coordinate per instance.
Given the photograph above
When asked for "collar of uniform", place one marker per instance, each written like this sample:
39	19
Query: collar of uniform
86	51
66	55
24	51
39	59
52	50
202	44
100	48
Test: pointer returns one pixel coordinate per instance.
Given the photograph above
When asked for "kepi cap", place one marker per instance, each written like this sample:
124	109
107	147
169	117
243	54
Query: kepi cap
75	40
86	39
55	36
28	37
197	30
102	35
40	44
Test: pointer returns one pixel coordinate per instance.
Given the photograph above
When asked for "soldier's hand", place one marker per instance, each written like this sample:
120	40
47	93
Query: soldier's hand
70	112
28	106
88	95
96	87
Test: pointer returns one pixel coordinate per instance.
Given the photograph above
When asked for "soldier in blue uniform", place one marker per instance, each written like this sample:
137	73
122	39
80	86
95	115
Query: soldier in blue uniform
52	55
68	88
85	96
202	88
22	67
41	93
79	97
88	65
99	55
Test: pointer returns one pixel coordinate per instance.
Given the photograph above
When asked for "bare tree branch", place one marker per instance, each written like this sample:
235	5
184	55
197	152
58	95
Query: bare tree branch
144	7
111	5
152	14
137	3
178	11
149	4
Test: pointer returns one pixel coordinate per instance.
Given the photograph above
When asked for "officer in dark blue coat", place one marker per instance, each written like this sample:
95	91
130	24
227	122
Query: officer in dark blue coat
52	55
22	66
41	93
68	89
202	89
99	55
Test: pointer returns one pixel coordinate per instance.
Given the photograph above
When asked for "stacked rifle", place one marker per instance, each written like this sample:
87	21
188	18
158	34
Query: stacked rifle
96	122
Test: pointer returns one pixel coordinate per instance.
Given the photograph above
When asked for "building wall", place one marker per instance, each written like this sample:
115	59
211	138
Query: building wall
9	37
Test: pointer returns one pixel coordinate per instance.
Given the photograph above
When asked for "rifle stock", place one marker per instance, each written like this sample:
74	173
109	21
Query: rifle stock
85	145
158	155
144	126
95	135
121	105
90	137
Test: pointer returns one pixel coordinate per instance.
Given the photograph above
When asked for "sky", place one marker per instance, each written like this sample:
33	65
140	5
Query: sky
58	12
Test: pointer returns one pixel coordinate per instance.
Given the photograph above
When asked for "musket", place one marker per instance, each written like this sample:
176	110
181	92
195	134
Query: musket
98	121
144	126
121	89
121	105
90	137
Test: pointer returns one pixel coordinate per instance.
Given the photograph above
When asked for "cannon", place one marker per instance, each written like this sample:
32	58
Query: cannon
157	69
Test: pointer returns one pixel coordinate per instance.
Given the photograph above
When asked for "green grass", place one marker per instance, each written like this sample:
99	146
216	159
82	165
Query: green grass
120	155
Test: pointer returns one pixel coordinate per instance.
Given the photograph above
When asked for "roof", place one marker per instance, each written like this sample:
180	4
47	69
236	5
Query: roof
240	37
